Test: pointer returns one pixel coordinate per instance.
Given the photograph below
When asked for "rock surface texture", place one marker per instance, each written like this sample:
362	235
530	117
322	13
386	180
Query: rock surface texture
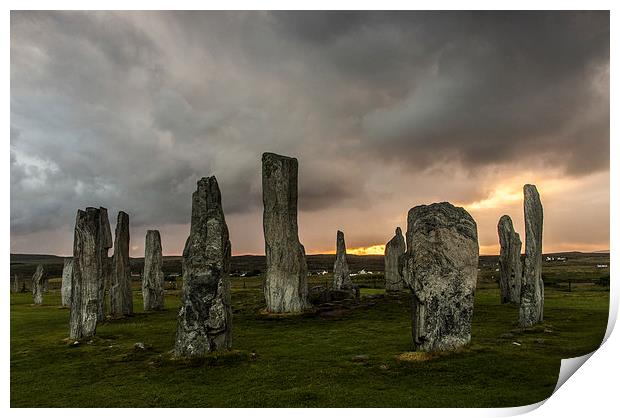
121	302
532	286
105	245
90	250
393	259
65	287
441	268
510	269
342	280
204	322
38	285
285	287
153	275
15	288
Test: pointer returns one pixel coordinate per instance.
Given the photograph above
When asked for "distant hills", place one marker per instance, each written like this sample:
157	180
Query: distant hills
25	264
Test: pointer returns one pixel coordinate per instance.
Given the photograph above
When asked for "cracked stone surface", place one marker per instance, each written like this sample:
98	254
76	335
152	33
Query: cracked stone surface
105	245
532	286
204	321
285	286
393	258
441	269
91	242
39	278
342	279
153	275
65	288
121	297
510	268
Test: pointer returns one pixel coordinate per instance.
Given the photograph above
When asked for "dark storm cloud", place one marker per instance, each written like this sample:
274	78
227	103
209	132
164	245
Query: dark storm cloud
129	109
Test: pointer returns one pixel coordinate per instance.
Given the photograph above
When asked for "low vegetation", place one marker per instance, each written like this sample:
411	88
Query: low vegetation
339	358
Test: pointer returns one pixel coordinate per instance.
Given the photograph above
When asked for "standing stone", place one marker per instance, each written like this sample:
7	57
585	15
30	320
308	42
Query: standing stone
441	268
342	280
153	276
45	284
38	284
105	245
393	259
90	251
121	302
510	270
204	322
532	287
65	287
285	287
15	286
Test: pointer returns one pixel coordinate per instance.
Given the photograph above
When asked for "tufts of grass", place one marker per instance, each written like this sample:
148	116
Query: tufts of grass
359	358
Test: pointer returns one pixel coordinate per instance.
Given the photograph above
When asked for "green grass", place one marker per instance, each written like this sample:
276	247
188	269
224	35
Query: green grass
302	361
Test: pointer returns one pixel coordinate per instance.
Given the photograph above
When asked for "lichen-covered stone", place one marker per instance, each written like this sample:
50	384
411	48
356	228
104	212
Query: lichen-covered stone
105	245
204	321
65	287
121	297
342	279
90	249
532	286
15	286
285	286
39	278
393	259
153	275
441	268
510	269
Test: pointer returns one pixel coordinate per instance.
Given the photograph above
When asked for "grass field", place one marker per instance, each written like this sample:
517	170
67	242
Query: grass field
346	359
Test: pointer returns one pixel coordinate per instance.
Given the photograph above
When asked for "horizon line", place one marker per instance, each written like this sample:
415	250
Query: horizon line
355	255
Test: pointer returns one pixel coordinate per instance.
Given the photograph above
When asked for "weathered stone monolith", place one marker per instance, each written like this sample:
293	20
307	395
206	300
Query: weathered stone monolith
393	259
106	268
532	286
45	284
15	287
153	276
510	269
285	286
342	280
90	248
39	278
121	302
204	322
441	268
65	287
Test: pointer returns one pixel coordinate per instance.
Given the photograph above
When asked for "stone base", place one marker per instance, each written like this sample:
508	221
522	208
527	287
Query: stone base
322	294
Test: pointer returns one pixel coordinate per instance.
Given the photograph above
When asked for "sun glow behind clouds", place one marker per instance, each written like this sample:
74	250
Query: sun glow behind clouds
378	249
502	196
372	250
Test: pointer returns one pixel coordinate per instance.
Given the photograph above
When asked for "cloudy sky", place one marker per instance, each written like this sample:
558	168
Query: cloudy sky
384	111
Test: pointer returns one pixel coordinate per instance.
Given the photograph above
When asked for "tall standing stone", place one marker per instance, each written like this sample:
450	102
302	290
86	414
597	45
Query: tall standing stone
393	259
90	252
38	284
510	270
15	286
342	279
121	301
153	276
65	287
532	287
45	284
105	245
285	287
441	268
204	322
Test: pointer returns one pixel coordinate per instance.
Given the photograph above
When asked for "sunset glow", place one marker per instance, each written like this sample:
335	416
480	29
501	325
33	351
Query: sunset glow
372	250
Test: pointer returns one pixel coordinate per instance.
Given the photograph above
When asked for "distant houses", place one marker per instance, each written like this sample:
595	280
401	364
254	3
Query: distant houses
552	258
